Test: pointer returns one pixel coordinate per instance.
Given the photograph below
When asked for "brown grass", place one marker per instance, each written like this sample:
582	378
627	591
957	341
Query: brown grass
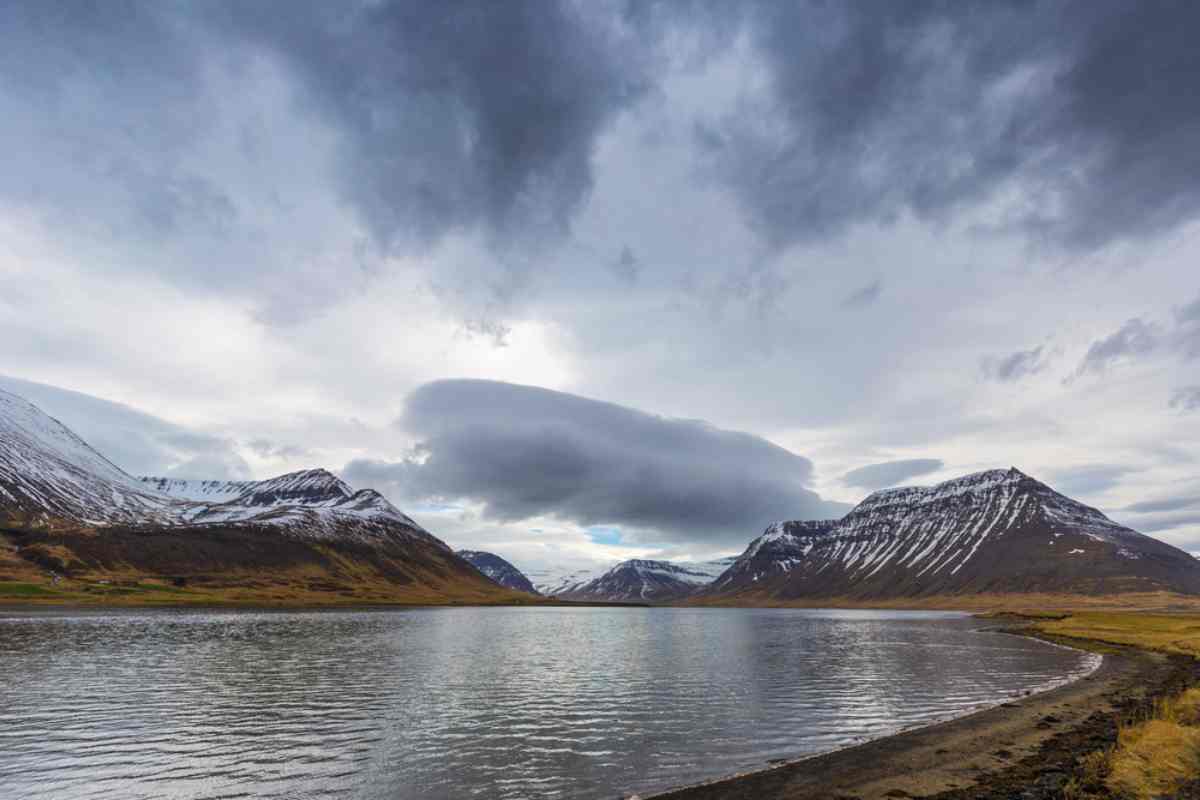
1153	758
1167	633
1154	755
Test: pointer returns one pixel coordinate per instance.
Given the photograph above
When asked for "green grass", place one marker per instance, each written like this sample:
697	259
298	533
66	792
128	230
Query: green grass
15	589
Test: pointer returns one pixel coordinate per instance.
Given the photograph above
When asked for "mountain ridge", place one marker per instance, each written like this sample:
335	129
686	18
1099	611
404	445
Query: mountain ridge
995	531
67	513
646	580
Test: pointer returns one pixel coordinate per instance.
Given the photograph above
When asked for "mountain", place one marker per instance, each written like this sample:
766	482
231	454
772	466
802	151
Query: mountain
552	581
72	519
992	532
642	580
498	570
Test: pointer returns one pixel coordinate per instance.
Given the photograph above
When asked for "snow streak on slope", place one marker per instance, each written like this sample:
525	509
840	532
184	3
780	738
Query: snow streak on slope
49	472
922	539
313	502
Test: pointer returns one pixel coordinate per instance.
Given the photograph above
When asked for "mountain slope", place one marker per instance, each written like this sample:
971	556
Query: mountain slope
70	517
643	580
498	570
992	532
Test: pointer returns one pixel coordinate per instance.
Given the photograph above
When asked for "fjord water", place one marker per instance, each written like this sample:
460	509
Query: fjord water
473	702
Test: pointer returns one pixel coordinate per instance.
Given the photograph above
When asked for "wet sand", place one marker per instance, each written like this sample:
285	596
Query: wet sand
1022	749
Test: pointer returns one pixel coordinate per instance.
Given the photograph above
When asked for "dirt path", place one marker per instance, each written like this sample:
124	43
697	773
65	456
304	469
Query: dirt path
1023	749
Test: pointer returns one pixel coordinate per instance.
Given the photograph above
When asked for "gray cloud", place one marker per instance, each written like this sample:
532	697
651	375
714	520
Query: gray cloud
928	108
1186	398
1168	522
525	451
1135	338
627	267
459	114
863	297
265	448
1014	366
891	473
1088	479
139	443
1187	329
1164	504
211	143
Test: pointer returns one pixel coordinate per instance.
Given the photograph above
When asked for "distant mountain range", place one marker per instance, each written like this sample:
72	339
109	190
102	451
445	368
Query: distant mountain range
642	580
68	513
996	532
72	519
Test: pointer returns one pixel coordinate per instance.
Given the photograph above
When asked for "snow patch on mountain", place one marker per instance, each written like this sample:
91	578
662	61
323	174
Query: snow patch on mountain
48	472
924	536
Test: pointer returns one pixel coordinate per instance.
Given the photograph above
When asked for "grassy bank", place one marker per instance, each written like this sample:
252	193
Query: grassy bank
1158	750
250	592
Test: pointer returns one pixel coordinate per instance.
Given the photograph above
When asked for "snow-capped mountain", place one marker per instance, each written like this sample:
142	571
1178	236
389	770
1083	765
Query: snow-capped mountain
498	570
643	580
313	503
996	531
69	510
555	580
47	473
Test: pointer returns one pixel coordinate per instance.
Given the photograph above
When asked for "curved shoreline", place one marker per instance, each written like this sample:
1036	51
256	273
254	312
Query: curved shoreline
1002	747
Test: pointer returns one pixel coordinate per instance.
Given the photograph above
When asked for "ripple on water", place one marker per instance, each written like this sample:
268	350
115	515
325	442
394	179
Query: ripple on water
497	703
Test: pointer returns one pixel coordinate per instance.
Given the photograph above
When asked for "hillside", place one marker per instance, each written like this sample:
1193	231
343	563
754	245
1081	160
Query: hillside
499	570
996	532
73	524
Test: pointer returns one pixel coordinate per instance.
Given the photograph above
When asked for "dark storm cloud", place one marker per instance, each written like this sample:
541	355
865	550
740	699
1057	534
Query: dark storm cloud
456	114
1135	338
891	473
1014	366
863	297
133	127
139	443
525	451
1186	399
469	116
878	110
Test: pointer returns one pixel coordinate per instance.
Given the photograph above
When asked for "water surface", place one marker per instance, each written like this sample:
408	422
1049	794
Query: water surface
473	702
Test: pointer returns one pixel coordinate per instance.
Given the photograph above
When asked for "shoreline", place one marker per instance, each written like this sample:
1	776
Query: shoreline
1026	747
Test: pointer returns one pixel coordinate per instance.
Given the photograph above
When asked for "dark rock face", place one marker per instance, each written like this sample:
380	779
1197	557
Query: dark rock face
992	532
499	570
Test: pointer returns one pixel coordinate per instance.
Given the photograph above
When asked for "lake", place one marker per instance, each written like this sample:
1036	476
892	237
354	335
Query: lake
419	704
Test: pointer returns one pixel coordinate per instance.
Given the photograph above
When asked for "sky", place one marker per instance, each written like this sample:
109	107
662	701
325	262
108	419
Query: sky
580	281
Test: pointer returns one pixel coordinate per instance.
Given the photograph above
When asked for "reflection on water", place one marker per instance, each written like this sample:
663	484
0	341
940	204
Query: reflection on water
472	702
